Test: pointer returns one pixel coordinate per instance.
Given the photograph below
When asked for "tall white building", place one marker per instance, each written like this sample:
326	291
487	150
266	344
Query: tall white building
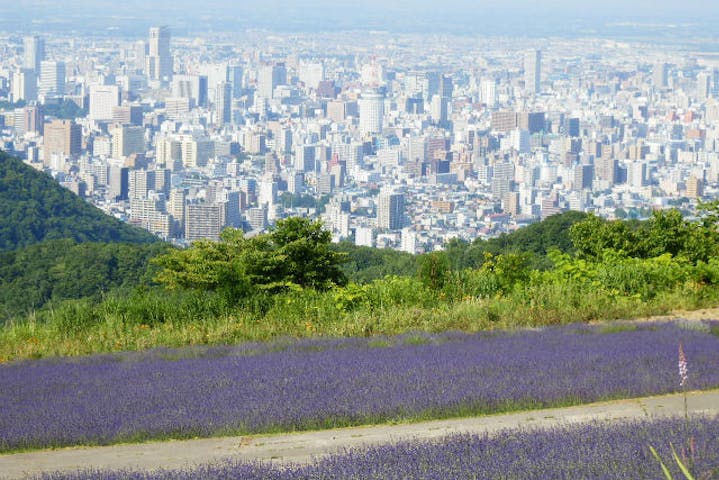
223	103
102	100
52	78
390	210
661	75
158	63
269	77
24	85
704	86
34	53
533	71
489	92
371	113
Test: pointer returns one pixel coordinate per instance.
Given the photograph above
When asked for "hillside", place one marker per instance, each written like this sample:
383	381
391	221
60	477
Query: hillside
57	270
34	208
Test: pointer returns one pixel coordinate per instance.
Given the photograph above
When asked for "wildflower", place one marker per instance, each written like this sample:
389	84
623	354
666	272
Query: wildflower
683	371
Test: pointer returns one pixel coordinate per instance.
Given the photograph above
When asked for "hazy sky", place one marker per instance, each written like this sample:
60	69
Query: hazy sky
525	16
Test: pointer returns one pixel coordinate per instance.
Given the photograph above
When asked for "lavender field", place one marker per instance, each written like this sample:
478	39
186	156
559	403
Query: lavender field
596	451
328	383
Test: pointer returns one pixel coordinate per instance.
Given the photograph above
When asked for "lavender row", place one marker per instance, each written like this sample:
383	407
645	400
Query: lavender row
328	383
596	451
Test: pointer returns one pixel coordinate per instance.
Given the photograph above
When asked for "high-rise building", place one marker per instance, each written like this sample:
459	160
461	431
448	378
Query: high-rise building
52	78
704	86
103	100
371	113
533	71
131	114
126	140
489	92
390	210
158	62
34	53
695	187
118	182
62	137
34	119
223	103
235	75
661	75
270	76
24	85
203	221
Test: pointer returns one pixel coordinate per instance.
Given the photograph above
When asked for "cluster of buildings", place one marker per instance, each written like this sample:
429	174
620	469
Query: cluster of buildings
394	141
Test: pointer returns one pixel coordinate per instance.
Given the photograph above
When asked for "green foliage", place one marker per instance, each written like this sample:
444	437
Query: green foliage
682	466
65	109
33	208
434	269
666	232
292	282
304	248
57	270
296	252
366	264
534	240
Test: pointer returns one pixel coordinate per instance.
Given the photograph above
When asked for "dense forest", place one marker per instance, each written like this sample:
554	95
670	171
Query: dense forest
33	208
57	270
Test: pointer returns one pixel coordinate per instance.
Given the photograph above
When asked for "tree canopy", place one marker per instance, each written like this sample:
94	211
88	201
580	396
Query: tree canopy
33	208
296	252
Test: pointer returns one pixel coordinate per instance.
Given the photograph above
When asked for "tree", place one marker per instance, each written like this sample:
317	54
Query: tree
307	259
296	252
434	269
593	235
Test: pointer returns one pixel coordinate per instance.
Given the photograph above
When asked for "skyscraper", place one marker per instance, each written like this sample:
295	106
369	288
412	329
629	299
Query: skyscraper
533	71
62	137
103	99
223	103
158	63
52	78
126	140
24	85
269	76
371	113
34	53
661	75
390	210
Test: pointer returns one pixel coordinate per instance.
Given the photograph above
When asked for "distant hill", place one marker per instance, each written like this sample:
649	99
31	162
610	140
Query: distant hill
34	208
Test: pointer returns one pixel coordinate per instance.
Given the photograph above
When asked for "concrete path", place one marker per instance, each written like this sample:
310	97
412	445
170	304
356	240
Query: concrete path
303	447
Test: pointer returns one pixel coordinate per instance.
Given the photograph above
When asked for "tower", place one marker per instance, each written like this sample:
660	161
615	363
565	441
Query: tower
52	78
269	76
158	63
24	85
390	210
223	103
533	71
661	75
34	53
371	113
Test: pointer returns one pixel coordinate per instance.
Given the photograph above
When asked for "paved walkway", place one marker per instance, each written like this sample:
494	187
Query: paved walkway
303	447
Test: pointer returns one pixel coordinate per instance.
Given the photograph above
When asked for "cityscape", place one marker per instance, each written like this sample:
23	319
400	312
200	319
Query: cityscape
393	140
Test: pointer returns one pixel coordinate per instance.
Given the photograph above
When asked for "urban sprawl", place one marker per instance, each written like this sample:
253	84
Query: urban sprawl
395	141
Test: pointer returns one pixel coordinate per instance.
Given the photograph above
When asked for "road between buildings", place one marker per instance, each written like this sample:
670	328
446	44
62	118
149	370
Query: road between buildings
306	446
